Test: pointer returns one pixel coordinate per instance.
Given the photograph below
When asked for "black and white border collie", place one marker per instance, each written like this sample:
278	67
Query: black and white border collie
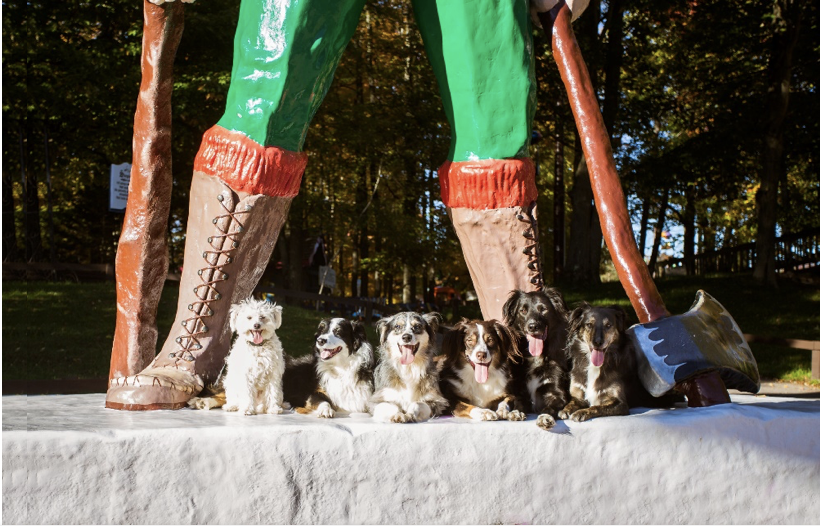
337	376
539	321
476	378
604	379
407	387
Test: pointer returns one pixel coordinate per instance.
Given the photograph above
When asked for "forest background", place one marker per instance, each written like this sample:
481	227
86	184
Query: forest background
711	105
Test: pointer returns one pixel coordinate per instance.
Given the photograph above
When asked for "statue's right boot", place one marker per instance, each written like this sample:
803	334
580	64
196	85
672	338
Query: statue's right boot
230	236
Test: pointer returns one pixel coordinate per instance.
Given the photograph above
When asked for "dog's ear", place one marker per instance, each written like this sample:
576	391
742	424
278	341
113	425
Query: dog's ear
510	308
507	341
557	300
453	343
277	315
433	319
620	317
359	335
233	313
381	327
577	317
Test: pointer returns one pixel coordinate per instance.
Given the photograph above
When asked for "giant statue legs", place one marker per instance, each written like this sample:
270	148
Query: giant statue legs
250	165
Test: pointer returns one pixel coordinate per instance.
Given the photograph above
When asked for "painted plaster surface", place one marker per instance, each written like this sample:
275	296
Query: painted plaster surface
66	459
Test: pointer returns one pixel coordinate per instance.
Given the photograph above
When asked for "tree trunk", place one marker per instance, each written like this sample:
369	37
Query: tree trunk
658	231
584	254
405	284
558	201
689	231
31	221
645	209
9	228
786	29
583	257
612	67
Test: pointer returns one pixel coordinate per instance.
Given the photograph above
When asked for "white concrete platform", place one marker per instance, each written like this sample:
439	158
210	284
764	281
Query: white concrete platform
67	459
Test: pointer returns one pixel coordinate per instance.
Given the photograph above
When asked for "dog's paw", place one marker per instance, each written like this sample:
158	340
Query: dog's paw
249	411
545	421
286	406
325	411
483	414
564	414
401	418
515	416
419	412
231	407
275	410
581	415
199	403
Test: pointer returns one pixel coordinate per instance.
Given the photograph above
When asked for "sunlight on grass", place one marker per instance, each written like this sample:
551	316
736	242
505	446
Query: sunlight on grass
65	330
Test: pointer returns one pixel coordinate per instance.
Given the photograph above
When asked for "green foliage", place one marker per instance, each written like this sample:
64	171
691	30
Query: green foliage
692	87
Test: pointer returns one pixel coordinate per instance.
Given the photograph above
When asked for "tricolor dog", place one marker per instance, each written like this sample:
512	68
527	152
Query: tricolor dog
476	378
337	376
407	387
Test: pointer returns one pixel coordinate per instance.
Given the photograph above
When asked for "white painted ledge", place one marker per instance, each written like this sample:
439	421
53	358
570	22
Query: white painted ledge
66	459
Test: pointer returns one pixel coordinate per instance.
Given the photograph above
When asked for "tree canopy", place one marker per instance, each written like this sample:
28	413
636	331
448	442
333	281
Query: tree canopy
685	83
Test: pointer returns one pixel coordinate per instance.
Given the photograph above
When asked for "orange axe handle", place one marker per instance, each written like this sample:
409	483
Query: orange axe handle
606	185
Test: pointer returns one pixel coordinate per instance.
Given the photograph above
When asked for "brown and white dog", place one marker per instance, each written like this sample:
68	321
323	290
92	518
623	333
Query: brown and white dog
539	321
407	386
476	378
604	380
337	376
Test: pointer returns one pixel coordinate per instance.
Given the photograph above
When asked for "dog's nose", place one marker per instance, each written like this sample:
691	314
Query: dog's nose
532	326
257	326
481	356
321	341
406	338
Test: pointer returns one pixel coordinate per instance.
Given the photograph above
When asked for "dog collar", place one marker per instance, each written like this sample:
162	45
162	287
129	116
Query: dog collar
257	344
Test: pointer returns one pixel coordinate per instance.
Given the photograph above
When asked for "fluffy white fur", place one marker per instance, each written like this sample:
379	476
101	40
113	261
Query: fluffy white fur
337	375
254	367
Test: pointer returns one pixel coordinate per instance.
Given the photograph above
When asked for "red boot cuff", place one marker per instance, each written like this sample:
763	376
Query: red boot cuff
249	167
488	184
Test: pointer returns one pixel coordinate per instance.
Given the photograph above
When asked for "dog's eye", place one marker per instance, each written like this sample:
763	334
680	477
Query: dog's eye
607	324
249	317
262	318
524	309
418	329
542	308
399	328
489	340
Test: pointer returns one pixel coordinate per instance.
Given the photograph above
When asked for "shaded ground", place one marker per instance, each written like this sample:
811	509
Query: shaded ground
64	330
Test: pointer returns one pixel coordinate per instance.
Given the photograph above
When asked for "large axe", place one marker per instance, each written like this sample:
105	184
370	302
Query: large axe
699	353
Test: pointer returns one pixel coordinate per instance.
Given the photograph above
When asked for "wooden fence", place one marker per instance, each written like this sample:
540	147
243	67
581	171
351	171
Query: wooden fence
793	252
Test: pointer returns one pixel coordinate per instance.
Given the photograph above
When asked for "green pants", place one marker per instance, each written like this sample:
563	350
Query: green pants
480	51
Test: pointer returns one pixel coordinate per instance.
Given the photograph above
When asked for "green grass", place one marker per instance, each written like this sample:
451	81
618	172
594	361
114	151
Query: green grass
64	330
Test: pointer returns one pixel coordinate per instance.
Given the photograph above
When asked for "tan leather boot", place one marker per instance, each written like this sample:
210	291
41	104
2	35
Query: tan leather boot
230	238
492	206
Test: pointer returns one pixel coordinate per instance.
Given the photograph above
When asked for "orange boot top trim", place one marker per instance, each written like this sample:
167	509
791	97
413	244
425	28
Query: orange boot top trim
246	166
488	184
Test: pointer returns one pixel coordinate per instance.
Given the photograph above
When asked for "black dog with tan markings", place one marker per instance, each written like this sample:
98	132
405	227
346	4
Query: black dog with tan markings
604	380
539	321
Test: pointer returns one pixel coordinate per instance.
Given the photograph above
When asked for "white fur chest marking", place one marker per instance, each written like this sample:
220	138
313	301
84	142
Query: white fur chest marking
339	383
482	394
534	381
591	393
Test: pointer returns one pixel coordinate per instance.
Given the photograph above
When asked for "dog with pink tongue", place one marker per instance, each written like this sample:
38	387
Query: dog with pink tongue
476	377
407	378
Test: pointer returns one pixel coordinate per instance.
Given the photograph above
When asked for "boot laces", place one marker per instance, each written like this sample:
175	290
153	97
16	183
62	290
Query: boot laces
224	243
532	250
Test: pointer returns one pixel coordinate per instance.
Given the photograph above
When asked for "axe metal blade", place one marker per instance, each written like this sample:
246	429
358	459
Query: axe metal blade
705	338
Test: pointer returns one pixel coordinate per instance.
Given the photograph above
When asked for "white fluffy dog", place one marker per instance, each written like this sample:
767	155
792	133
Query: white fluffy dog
254	367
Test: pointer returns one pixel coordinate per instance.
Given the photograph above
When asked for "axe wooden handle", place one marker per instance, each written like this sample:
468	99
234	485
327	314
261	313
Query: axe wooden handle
606	185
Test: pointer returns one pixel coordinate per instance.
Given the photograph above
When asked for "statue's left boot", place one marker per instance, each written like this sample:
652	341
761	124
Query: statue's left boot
492	206
239	200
